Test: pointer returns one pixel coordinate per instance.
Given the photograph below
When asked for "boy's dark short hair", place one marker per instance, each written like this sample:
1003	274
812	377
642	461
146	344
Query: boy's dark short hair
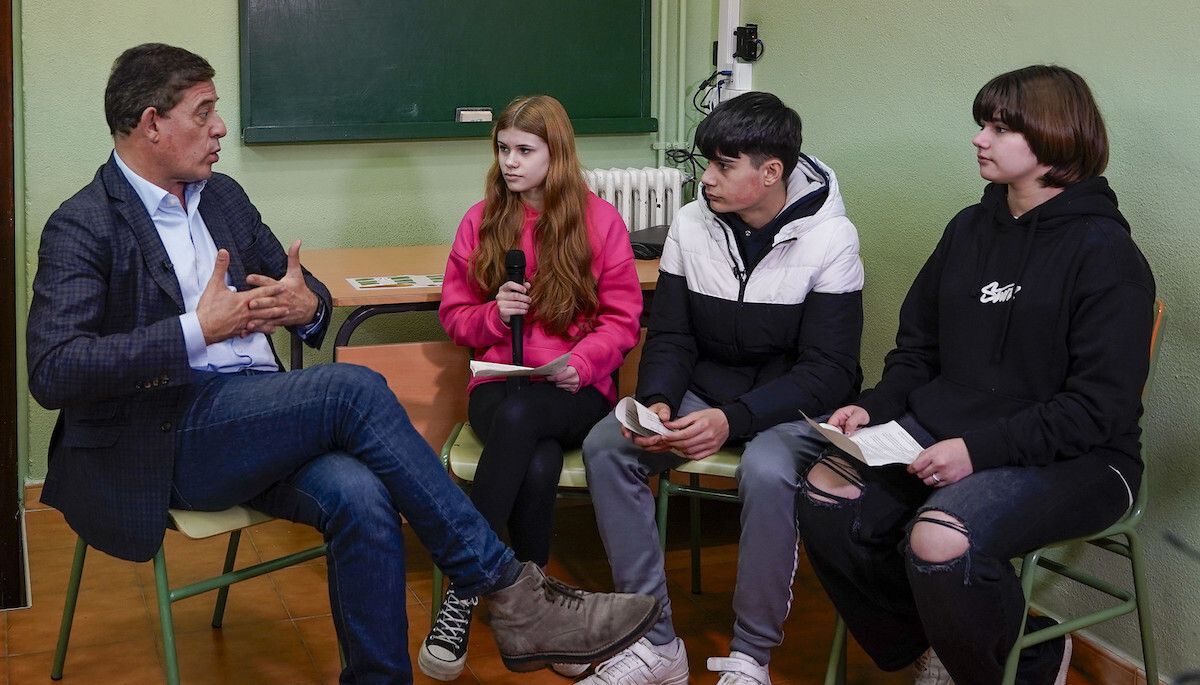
756	124
150	75
1054	109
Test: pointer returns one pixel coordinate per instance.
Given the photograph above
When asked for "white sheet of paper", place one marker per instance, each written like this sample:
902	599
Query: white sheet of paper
485	369
886	443
639	419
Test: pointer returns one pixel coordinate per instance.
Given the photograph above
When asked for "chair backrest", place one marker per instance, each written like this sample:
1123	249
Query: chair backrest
627	374
429	379
1160	312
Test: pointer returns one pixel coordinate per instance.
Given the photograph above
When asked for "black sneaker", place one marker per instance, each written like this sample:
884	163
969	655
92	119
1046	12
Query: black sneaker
444	652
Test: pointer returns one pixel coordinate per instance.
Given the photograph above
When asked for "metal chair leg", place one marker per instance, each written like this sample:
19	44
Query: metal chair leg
68	616
1029	565
1142	596
664	496
835	672
223	593
163	594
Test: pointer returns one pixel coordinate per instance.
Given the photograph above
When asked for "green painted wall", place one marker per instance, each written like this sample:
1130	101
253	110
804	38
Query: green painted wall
329	195
885	90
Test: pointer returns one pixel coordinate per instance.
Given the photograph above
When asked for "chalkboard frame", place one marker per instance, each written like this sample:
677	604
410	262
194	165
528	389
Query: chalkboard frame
257	129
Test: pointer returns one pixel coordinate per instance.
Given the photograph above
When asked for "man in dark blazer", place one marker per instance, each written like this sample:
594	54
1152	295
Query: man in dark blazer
156	290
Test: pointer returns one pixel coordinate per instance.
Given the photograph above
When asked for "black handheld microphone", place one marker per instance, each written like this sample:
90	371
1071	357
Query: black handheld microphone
514	266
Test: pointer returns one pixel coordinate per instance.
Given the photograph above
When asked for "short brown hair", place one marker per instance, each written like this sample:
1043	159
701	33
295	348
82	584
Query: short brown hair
1054	109
150	75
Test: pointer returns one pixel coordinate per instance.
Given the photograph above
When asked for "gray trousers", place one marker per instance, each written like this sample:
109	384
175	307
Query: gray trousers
773	464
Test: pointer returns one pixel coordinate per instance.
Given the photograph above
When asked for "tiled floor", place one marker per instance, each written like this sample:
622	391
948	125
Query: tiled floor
277	627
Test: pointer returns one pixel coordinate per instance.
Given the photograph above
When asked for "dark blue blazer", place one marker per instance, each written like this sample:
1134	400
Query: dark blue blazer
105	346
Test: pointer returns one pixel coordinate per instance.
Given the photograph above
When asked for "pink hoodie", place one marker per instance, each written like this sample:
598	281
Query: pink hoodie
472	318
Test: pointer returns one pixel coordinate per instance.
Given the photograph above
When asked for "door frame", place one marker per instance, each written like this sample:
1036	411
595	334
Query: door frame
12	521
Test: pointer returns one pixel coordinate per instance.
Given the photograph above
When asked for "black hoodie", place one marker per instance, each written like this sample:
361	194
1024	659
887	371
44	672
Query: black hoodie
1029	338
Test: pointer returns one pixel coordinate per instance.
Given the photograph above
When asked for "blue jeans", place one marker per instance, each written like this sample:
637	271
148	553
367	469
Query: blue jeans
331	447
969	608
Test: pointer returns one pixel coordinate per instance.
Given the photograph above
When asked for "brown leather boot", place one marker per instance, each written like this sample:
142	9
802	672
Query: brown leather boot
539	620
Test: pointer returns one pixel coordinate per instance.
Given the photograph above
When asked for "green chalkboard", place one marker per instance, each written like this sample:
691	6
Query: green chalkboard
315	70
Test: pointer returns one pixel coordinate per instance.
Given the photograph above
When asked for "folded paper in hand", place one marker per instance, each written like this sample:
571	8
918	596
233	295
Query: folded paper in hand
639	419
886	443
484	369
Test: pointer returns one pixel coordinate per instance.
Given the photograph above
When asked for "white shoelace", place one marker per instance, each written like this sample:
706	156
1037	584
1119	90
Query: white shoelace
453	619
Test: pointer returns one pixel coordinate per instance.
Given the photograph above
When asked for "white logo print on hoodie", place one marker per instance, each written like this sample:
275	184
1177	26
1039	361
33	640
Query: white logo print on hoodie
994	292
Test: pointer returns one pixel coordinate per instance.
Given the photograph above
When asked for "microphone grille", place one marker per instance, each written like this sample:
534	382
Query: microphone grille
514	259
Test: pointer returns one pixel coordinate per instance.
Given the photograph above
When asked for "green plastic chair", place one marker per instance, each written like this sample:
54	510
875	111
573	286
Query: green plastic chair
723	464
195	525
1121	539
460	455
461	451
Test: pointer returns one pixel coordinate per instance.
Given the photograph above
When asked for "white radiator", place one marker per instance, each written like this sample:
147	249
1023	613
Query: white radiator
644	197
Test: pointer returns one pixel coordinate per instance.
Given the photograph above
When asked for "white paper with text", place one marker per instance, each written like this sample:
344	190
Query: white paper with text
887	443
485	369
638	418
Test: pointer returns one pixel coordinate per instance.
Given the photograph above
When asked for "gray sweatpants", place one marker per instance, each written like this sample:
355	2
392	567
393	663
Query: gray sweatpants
773	463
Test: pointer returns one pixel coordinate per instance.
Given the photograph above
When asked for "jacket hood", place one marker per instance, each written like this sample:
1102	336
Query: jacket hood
1089	197
811	177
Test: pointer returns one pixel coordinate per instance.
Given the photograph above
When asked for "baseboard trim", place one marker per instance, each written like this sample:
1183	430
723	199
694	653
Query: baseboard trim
1105	666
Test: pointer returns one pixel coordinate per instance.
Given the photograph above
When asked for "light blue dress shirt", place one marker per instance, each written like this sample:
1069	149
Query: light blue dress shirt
193	255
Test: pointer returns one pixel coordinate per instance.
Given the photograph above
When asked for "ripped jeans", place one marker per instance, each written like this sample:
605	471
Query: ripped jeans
968	608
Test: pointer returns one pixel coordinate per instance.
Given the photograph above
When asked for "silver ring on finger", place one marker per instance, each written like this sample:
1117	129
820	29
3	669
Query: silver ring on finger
935	477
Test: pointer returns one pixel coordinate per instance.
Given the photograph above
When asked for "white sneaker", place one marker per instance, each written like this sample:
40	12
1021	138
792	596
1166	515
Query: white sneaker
643	664
739	669
928	670
570	670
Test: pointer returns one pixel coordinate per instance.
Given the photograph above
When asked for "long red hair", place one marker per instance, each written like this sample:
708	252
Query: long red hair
564	288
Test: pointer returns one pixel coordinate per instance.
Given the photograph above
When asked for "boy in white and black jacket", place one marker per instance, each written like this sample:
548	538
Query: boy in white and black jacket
757	316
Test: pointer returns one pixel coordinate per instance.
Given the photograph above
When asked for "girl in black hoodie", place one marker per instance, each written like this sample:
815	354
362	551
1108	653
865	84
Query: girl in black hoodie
1019	365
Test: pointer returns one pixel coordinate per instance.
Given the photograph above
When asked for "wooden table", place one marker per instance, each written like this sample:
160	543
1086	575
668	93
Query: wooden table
333	266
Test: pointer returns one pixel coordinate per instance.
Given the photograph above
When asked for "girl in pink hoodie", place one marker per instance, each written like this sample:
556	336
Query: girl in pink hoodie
581	296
